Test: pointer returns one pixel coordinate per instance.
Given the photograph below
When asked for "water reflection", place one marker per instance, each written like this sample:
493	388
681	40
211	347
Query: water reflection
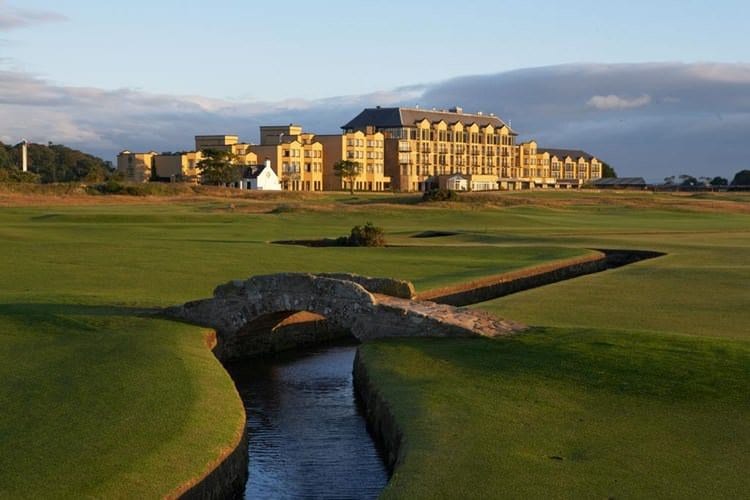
307	437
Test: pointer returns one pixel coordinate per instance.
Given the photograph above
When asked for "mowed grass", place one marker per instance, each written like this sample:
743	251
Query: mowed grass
97	399
633	383
568	413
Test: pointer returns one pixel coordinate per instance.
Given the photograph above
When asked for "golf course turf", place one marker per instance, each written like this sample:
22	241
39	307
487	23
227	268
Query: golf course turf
634	381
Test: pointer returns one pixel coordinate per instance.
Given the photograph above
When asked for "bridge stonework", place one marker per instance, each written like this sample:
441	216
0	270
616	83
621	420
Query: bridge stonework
369	308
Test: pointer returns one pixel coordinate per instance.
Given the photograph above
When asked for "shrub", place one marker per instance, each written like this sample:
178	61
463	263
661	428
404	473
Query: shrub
14	176
440	195
368	235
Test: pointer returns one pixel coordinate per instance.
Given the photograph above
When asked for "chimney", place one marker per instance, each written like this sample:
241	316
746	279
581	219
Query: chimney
268	163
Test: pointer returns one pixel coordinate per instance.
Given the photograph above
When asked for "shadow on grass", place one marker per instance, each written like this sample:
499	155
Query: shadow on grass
381	200
32	310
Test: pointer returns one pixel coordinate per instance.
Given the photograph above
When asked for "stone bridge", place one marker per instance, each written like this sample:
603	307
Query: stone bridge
369	308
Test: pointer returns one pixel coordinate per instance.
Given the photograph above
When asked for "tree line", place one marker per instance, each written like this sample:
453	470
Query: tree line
49	163
741	178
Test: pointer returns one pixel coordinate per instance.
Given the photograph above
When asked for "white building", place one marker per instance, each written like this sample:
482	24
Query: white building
260	178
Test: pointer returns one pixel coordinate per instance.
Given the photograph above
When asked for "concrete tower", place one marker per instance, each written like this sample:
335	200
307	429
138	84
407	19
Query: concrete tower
24	156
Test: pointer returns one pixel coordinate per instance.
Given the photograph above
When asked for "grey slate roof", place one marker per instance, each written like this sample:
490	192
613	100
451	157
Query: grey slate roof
562	153
381	118
252	171
619	181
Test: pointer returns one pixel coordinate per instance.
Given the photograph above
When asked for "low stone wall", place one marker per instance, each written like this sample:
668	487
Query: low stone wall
526	279
383	286
380	421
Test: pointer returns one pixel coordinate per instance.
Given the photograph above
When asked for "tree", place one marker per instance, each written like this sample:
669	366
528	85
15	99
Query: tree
608	171
719	181
287	178
669	180
5	161
348	171
687	180
217	167
741	178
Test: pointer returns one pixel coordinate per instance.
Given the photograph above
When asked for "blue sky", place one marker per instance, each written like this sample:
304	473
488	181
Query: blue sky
655	88
277	50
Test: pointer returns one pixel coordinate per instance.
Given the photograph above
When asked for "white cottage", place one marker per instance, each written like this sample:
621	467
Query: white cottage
260	178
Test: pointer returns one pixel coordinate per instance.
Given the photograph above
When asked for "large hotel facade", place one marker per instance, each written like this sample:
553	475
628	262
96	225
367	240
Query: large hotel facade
401	149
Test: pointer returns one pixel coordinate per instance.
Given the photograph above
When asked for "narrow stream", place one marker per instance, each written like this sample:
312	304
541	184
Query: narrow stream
307	436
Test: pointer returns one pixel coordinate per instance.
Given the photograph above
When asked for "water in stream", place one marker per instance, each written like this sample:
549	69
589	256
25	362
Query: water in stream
307	437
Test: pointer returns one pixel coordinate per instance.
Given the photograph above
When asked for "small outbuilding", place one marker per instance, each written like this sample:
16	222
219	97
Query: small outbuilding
259	178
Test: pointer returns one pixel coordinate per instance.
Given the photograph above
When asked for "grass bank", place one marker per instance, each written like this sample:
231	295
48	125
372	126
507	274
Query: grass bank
568	413
100	400
632	384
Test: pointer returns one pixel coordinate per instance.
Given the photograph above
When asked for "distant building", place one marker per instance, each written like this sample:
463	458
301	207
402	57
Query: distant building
404	149
296	157
421	145
551	168
259	178
178	167
620	183
230	143
136	167
571	164
366	148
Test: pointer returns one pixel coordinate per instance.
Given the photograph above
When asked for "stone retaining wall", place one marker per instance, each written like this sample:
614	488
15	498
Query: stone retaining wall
526	279
226	480
380	421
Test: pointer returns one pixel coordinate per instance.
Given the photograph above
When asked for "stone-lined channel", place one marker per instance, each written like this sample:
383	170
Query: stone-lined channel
307	435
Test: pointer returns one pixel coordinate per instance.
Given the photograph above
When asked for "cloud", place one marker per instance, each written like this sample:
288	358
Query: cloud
609	102
15	18
696	120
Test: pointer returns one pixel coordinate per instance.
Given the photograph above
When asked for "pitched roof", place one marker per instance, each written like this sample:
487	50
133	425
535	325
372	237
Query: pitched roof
563	153
381	118
619	181
253	171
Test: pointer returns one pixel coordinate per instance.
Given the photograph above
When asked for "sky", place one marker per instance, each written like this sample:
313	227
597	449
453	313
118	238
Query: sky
637	83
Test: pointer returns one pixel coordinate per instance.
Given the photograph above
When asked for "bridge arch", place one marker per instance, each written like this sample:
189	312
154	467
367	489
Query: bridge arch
348	302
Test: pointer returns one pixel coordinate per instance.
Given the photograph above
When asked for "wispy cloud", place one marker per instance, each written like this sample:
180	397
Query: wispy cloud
651	119
17	17
609	102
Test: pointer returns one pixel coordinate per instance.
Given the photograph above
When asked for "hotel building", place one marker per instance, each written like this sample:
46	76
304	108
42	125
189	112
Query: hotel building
367	148
296	157
230	143
136	167
423	146
403	149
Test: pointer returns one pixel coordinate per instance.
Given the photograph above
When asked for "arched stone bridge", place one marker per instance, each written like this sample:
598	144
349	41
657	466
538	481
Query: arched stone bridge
368	307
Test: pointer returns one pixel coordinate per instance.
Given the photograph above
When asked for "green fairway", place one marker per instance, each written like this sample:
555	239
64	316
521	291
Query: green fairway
99	400
635	378
635	382
568	413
